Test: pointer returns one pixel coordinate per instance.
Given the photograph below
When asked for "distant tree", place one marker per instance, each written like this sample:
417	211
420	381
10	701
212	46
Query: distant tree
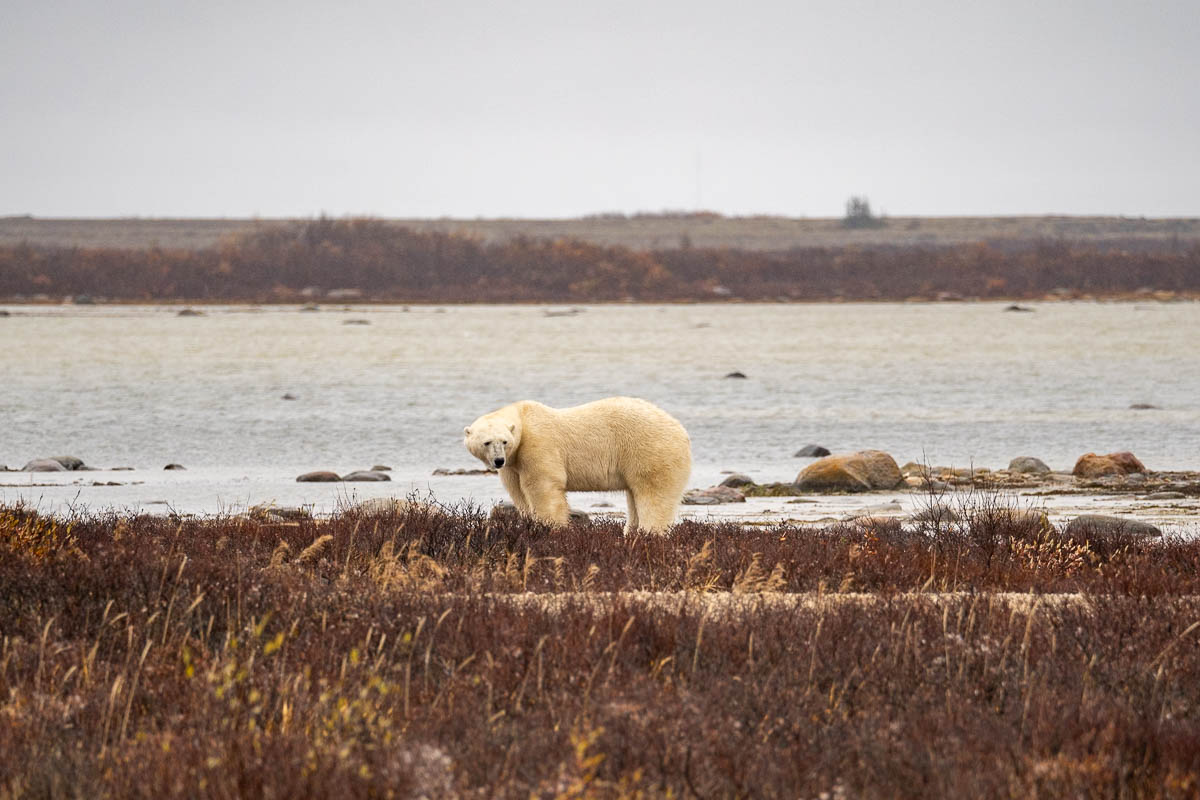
858	214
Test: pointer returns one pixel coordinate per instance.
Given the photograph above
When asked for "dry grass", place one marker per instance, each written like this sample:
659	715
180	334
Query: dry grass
402	654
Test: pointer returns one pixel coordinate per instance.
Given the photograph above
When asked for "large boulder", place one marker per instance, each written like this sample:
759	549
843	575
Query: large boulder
714	495
44	465
851	472
737	480
320	476
1098	524
1091	465
367	475
1028	464
812	451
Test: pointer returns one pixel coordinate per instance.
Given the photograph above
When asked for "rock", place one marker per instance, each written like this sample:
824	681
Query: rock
288	396
735	374
83	300
936	513
367	475
1091	465
70	462
189	312
1128	462
1028	464
320	476
1142	406
505	508
872	512
737	479
811	451
174	466
356	322
443	471
381	468
44	465
714	495
4	312
1015	307
1082	526
266	512
851	472
1166	496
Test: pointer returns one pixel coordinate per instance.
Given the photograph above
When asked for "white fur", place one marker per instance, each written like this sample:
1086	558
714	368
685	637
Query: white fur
615	444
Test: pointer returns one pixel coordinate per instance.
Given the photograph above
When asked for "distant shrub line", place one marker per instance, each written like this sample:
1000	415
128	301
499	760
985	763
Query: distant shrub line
387	262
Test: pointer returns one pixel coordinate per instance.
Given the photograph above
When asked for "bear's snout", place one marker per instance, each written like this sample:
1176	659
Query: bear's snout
499	462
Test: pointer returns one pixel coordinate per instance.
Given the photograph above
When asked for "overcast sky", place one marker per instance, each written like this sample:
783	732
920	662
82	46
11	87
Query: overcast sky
558	108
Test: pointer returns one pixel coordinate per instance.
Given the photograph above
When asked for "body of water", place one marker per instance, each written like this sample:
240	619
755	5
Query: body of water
953	383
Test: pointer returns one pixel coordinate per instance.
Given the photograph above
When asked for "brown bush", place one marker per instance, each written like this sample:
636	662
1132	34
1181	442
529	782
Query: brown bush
393	263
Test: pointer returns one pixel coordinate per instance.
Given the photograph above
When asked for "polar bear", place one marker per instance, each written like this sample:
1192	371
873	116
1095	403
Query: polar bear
619	443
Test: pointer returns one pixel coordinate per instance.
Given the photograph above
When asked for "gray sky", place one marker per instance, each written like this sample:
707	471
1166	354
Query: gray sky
452	108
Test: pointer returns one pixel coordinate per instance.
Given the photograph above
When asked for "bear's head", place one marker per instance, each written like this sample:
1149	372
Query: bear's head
492	439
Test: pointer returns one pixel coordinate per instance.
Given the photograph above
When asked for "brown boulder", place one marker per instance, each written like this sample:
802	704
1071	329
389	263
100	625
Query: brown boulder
851	472
1091	465
321	476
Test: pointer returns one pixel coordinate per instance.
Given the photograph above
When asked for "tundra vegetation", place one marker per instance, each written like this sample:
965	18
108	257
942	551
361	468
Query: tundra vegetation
423	651
382	261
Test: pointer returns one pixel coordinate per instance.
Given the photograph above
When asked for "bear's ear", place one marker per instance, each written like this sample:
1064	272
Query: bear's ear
467	431
512	428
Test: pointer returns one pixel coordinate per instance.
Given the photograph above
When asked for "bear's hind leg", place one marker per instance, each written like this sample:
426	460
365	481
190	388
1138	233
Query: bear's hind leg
631	517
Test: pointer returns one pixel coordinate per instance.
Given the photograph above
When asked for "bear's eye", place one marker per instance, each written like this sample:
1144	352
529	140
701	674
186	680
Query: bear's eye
505	441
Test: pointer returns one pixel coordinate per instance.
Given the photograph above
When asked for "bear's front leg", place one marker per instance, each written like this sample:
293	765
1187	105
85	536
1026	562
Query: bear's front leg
512	483
549	500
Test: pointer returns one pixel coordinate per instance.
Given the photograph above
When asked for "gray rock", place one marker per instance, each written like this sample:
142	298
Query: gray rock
320	476
174	466
1166	496
288	396
812	451
1086	524
737	479
381	468
1142	406
735	374
70	462
936	513
367	475
1028	464
505	508
1015	307
44	465
189	312
713	496
4	312
356	322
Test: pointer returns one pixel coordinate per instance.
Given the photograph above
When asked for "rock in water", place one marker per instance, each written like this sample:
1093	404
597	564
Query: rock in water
1027	464
1142	406
70	462
851	472
44	465
812	451
735	374
1091	465
714	495
1093	524
367	475
320	476
174	466
737	479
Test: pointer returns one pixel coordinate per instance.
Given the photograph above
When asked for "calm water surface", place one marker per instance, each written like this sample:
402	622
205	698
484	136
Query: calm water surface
955	384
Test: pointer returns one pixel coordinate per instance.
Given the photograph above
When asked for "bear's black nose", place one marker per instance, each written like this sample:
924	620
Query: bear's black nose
499	462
